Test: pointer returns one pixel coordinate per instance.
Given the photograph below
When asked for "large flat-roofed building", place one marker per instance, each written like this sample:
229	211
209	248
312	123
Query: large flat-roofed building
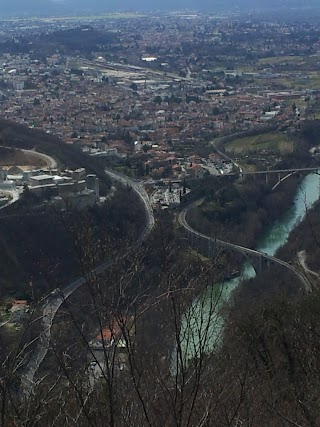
79	174
41	180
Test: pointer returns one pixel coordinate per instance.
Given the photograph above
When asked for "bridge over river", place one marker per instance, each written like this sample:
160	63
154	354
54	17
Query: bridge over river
282	174
259	260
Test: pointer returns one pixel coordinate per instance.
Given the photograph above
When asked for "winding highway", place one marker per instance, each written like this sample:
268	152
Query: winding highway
246	251
55	299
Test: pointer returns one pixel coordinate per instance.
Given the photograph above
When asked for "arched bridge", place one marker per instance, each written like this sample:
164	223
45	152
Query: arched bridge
259	260
282	174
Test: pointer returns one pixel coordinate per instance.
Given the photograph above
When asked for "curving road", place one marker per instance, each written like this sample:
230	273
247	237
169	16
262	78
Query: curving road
55	299
247	251
141	192
14	197
50	161
302	259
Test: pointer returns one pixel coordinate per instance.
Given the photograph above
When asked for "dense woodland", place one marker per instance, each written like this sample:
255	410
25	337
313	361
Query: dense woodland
38	247
240	212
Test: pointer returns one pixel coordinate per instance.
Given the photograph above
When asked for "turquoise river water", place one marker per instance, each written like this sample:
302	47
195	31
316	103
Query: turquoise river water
203	324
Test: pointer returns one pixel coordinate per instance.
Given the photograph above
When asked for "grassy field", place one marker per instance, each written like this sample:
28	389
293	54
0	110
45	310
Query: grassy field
276	60
300	103
255	144
247	168
312	81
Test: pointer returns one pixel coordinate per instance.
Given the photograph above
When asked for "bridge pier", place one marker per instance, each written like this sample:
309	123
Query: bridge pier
209	248
259	263
259	260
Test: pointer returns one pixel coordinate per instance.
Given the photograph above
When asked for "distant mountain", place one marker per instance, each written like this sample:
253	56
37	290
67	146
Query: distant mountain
56	7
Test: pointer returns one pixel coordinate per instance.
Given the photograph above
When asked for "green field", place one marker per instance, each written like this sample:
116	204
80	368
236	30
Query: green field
255	144
311	81
276	60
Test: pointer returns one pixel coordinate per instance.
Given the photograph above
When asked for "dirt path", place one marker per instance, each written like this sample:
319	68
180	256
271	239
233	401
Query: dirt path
32	154
50	161
302	258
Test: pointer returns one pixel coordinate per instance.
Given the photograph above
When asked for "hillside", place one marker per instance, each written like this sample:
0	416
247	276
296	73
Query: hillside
37	246
18	136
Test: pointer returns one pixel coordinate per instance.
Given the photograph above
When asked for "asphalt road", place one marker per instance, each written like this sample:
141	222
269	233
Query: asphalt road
55	299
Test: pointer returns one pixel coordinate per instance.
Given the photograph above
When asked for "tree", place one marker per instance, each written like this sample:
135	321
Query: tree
148	341
135	366
215	111
157	100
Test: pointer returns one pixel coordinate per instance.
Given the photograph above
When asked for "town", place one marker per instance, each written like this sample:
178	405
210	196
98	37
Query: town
155	106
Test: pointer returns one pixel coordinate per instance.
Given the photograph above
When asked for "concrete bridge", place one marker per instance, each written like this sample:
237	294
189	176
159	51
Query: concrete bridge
282	174
259	260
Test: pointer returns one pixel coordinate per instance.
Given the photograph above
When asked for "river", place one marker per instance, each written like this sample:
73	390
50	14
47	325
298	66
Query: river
203	324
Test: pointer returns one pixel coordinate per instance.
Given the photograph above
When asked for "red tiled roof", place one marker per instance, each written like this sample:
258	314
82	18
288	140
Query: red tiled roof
20	302
113	331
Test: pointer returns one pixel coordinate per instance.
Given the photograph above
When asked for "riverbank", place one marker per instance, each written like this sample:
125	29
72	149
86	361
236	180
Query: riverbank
241	212
305	239
274	238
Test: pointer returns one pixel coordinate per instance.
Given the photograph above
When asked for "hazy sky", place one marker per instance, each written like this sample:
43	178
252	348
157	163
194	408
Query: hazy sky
195	4
20	7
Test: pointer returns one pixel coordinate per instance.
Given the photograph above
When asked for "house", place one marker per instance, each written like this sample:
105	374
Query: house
19	311
112	333
109	335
